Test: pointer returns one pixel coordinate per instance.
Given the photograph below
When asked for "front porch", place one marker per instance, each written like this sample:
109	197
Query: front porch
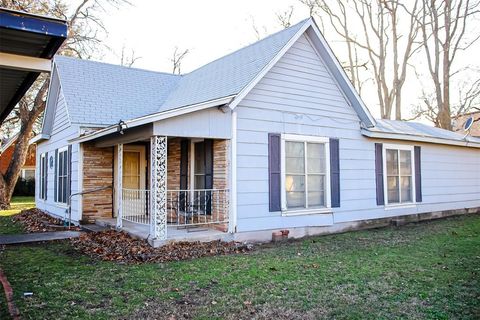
166	188
142	231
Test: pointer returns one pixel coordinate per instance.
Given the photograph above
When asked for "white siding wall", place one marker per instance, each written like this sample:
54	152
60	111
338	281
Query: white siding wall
209	123
299	96
62	131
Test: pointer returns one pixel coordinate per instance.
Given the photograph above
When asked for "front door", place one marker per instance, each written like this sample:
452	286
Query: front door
135	197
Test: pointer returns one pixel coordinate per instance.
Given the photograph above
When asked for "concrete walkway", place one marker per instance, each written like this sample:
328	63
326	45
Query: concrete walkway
38	237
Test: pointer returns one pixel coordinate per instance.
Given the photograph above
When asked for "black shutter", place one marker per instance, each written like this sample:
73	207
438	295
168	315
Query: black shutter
379	173
45	173
418	173
208	145
56	173
274	172
335	172
183	174
184	164
69	173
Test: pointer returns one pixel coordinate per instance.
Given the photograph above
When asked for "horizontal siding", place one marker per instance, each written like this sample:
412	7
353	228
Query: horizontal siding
62	132
299	96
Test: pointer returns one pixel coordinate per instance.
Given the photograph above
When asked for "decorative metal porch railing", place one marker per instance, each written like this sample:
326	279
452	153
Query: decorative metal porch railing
136	205
185	208
197	207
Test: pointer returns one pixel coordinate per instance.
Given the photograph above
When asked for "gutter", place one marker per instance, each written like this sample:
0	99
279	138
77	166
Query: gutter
427	139
153	117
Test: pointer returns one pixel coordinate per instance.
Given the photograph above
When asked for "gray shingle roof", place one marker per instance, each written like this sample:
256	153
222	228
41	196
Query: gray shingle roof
102	94
417	129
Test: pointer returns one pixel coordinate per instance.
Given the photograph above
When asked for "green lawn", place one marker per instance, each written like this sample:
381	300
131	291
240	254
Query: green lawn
7	226
421	271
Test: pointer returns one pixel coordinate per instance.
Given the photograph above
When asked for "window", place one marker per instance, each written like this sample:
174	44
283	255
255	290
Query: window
43	177
399	178
306	173
199	165
28	174
62	175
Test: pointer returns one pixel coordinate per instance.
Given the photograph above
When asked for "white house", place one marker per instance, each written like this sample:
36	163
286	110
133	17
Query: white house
272	136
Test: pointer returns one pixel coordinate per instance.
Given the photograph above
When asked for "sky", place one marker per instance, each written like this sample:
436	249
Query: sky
209	29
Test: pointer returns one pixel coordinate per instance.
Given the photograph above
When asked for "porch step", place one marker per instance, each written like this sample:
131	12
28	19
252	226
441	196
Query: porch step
93	227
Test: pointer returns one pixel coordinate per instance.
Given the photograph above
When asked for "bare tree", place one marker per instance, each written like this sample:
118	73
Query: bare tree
285	17
128	60
387	43
84	29
177	59
444	33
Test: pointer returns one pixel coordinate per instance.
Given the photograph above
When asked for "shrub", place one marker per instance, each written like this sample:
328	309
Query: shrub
24	187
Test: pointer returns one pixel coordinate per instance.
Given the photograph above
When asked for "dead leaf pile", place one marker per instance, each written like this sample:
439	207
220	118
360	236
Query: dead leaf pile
35	220
112	245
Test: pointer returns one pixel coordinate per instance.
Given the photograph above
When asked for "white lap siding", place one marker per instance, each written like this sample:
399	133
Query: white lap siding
62	131
299	96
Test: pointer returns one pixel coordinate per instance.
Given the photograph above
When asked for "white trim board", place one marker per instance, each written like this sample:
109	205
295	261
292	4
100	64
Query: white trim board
407	137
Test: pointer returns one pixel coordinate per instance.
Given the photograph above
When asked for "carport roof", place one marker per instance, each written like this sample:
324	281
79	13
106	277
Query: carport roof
27	42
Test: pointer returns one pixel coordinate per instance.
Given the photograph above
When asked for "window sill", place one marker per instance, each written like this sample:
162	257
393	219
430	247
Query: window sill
61	205
400	206
303	212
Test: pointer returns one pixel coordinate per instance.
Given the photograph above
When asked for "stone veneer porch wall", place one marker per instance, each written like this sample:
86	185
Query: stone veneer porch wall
97	173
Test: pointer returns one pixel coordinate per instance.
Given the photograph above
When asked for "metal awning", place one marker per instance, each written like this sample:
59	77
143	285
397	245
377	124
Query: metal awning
27	44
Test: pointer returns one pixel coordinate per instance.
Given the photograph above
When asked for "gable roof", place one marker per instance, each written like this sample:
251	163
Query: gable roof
91	88
415	131
100	94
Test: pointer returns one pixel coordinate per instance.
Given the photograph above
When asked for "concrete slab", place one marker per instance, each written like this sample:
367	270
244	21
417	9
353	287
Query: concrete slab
93	227
38	237
174	233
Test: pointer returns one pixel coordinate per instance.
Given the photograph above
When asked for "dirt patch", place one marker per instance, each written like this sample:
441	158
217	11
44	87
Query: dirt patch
112	245
35	220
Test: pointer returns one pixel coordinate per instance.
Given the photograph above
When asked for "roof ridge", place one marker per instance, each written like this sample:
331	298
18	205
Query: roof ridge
116	65
249	45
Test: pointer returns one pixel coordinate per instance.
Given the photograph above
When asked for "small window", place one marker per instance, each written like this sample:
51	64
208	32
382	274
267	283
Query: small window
399	178
28	174
43	177
306	177
62	175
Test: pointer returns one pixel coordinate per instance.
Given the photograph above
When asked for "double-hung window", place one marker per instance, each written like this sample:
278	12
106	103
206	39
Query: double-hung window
62	175
306	178
43	177
399	180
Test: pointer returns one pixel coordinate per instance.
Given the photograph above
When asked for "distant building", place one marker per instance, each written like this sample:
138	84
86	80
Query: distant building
6	153
459	122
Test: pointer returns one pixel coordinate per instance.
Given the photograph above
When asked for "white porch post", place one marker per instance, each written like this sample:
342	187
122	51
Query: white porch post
158	187
119	185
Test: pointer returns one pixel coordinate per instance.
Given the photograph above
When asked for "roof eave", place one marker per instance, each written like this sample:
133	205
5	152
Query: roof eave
154	117
39	138
408	137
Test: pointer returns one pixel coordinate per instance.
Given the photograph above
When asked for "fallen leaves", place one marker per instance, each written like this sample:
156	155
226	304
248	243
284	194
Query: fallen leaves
35	220
112	245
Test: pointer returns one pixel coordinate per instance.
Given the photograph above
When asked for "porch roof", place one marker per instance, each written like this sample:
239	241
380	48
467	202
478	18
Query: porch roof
27	43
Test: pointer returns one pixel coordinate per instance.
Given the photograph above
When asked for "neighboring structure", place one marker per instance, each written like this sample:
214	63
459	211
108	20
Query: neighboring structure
28	42
6	152
459	122
272	136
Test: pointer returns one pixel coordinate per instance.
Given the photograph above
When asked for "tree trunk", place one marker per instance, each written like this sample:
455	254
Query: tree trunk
5	191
